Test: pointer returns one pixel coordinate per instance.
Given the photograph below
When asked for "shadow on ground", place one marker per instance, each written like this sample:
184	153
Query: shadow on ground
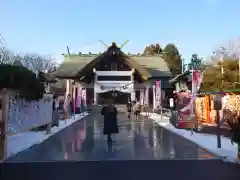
119	170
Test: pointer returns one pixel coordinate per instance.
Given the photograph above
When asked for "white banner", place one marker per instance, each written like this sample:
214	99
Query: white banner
84	98
154	97
158	94
79	99
141	96
66	94
146	98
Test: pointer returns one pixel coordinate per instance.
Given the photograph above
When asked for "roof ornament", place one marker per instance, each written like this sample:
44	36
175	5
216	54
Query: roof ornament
114	44
68	51
106	46
123	44
114	50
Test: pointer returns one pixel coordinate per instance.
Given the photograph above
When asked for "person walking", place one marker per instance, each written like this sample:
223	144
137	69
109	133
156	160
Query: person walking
110	120
129	109
55	107
137	109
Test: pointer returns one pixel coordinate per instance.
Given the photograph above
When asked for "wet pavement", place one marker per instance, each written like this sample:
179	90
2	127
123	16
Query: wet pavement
137	140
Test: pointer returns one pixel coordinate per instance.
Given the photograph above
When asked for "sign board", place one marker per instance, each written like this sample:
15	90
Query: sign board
158	94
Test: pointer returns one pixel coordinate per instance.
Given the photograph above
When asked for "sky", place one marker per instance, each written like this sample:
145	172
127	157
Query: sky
47	27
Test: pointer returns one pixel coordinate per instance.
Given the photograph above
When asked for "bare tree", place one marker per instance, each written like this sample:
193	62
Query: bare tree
33	62
6	57
36	62
229	50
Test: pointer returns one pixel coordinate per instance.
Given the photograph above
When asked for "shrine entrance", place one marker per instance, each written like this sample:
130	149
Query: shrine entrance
119	97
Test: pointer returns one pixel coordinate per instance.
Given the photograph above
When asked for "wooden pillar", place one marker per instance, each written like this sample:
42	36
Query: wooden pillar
4	100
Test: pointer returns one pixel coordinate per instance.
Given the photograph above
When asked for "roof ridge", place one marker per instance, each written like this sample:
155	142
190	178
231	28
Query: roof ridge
80	54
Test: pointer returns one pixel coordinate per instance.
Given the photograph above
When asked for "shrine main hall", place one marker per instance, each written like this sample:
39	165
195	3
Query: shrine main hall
113	73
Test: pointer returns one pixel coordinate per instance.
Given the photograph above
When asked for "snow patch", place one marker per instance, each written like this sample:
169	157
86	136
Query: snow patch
22	141
205	141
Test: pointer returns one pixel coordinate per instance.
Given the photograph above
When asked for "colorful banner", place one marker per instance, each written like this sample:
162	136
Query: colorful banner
197	77
74	98
186	100
158	94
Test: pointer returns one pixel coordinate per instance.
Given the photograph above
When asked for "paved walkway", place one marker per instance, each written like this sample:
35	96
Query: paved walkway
68	153
137	140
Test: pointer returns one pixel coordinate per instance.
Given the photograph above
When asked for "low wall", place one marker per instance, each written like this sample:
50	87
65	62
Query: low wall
22	115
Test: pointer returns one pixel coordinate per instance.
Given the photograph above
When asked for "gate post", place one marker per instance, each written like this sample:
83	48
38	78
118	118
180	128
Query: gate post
4	105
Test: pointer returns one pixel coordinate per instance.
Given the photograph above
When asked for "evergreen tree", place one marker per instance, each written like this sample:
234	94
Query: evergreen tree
153	49
173	59
196	63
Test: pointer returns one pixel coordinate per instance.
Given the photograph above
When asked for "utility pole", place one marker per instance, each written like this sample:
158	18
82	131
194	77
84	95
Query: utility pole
222	70
222	51
239	68
182	60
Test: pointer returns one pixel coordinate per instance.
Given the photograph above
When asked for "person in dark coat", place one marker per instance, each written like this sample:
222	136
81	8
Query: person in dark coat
129	109
110	120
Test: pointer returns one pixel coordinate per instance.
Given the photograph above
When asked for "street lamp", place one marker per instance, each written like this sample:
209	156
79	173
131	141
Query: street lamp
222	51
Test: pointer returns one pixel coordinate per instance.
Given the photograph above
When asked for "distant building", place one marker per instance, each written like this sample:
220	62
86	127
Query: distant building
182	82
115	74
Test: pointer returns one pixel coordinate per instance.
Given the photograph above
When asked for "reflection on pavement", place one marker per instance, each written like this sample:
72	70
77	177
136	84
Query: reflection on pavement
137	140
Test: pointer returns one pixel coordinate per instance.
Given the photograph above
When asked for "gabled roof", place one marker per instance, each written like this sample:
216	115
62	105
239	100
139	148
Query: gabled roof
17	63
47	77
156	65
184	77
72	65
78	65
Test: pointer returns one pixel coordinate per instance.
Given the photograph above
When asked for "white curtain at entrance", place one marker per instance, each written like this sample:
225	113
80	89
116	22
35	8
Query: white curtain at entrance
105	87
